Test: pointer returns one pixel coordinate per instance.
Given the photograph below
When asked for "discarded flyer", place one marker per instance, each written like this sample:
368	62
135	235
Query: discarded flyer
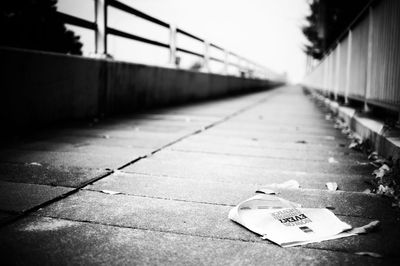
286	223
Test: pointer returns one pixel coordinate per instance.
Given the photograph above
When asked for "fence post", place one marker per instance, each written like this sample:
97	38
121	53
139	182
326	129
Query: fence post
172	45
348	68
101	30
369	60
337	72
329	79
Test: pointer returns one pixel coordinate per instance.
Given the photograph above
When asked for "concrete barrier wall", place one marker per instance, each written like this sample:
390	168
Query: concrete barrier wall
42	88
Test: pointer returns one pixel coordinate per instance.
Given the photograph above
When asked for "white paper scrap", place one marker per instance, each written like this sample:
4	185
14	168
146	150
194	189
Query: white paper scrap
332	186
286	223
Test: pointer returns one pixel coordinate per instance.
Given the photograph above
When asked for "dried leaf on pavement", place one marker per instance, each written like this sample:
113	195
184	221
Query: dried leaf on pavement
366	228
373	156
381	171
385	190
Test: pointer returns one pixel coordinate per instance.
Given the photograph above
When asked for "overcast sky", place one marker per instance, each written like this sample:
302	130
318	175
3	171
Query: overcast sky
265	31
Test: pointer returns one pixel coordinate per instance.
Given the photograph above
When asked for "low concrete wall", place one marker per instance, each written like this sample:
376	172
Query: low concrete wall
382	139
41	88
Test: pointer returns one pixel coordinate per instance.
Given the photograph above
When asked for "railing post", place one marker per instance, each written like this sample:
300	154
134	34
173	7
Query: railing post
206	56
369	60
348	67
101	23
172	45
337	72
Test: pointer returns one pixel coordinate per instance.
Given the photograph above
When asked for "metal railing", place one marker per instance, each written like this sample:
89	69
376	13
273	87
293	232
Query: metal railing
364	64
102	30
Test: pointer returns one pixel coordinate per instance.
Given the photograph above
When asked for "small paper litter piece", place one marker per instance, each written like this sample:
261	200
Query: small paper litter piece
332	186
288	224
366	228
110	192
35	164
332	160
370	254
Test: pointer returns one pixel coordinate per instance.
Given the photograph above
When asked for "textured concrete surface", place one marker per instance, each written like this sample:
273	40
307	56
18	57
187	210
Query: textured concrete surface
48	174
180	171
19	197
223	193
384	139
112	245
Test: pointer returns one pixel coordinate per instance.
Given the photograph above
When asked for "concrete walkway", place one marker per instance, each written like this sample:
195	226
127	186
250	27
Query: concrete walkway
178	172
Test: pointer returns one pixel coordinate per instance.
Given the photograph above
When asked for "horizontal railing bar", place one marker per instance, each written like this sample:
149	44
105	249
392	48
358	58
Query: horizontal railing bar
216	46
134	37
189	35
217	59
189	52
77	21
130	10
234	64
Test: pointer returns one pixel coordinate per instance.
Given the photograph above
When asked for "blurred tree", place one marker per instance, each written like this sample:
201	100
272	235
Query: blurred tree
34	24
327	21
313	33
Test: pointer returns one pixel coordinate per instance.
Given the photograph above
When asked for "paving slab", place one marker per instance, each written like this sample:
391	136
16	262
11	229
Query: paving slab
73	159
265	132
19	197
287	137
205	164
341	155
136	136
48	174
87	243
293	143
245	175
143	141
195	219
339	165
343	203
267	126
